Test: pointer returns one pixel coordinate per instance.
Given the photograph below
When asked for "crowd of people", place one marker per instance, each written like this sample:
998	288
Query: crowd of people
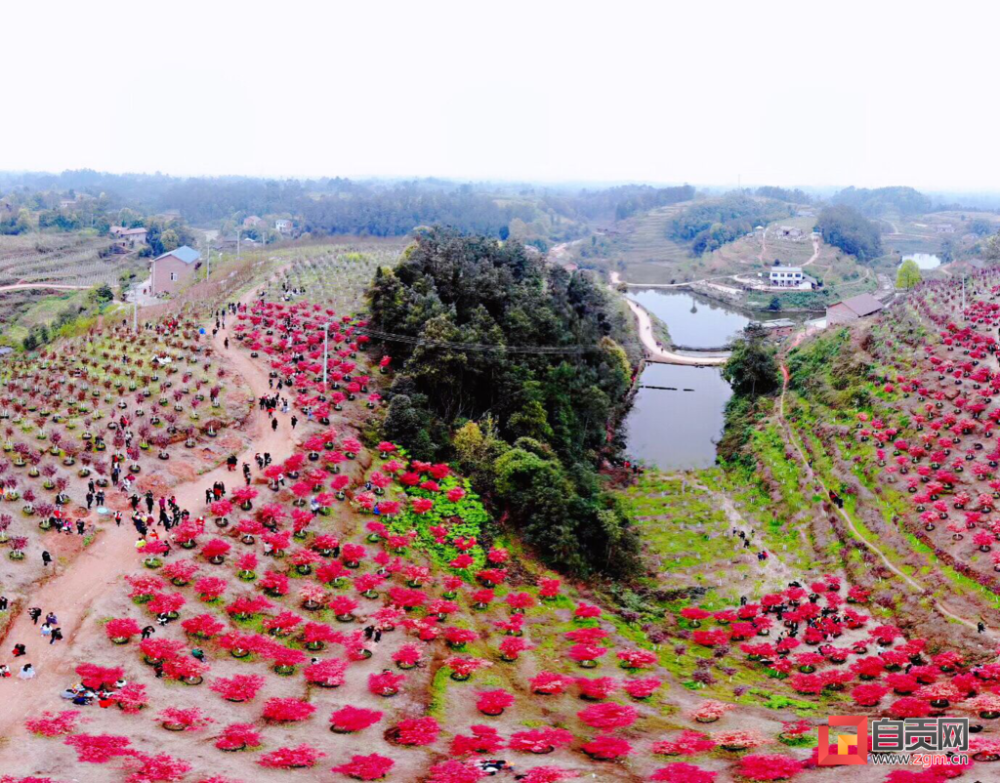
153	516
49	630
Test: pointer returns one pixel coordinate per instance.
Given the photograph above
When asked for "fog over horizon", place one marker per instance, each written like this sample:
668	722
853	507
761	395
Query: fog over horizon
558	93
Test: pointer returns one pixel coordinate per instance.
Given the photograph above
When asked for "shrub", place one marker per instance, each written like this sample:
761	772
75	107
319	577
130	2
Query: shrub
483	740
608	716
189	719
493	702
416	731
539	740
689	743
50	724
282	710
328	673
768	767
122	629
682	773
238	688
385	683
349	719
373	767
455	772
606	748
300	757
99	748
238	736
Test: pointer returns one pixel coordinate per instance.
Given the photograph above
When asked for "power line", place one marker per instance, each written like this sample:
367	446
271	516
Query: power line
391	337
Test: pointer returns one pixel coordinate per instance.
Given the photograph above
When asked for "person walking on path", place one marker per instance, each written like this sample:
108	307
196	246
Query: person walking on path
55	636
34	613
46	557
27	672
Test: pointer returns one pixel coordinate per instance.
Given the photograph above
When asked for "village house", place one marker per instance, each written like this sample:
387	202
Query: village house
790	232
944	228
252	221
852	309
128	238
789	277
173	269
283	226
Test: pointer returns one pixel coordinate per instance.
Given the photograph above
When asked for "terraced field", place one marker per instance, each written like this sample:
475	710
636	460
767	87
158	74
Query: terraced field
73	258
339	274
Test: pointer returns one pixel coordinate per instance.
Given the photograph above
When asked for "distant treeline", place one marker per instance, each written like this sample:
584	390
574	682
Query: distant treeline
873	203
343	206
709	224
791	195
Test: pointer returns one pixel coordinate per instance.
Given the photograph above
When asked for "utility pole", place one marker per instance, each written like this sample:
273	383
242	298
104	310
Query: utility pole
237	244
135	313
326	349
963	295
208	274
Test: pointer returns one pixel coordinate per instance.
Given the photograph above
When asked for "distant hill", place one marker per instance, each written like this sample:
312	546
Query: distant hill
709	224
877	202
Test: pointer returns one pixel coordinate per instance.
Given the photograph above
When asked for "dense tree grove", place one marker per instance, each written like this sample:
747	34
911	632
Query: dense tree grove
846	228
709	224
752	371
751	368
526	426
878	201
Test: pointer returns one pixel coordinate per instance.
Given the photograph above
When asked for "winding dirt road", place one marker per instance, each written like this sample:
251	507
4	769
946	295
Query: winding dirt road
101	566
656	352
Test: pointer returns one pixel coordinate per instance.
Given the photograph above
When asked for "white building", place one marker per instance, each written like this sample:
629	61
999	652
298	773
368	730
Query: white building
789	277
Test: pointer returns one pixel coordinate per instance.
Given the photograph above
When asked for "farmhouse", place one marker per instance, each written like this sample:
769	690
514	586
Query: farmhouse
790	232
944	228
283	226
789	277
252	221
171	270
128	238
852	309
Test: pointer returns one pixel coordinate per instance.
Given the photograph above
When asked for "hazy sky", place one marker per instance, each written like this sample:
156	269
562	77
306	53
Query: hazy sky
816	93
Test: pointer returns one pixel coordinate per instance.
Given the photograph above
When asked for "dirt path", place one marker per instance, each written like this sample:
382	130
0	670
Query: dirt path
658	353
815	254
55	286
71	593
616	279
910	581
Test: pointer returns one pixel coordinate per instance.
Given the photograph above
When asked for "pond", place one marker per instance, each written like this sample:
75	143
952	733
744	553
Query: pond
923	260
698	322
676	427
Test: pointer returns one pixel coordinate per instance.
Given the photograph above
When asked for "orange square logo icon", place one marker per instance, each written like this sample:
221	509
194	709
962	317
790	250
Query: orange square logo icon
850	748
